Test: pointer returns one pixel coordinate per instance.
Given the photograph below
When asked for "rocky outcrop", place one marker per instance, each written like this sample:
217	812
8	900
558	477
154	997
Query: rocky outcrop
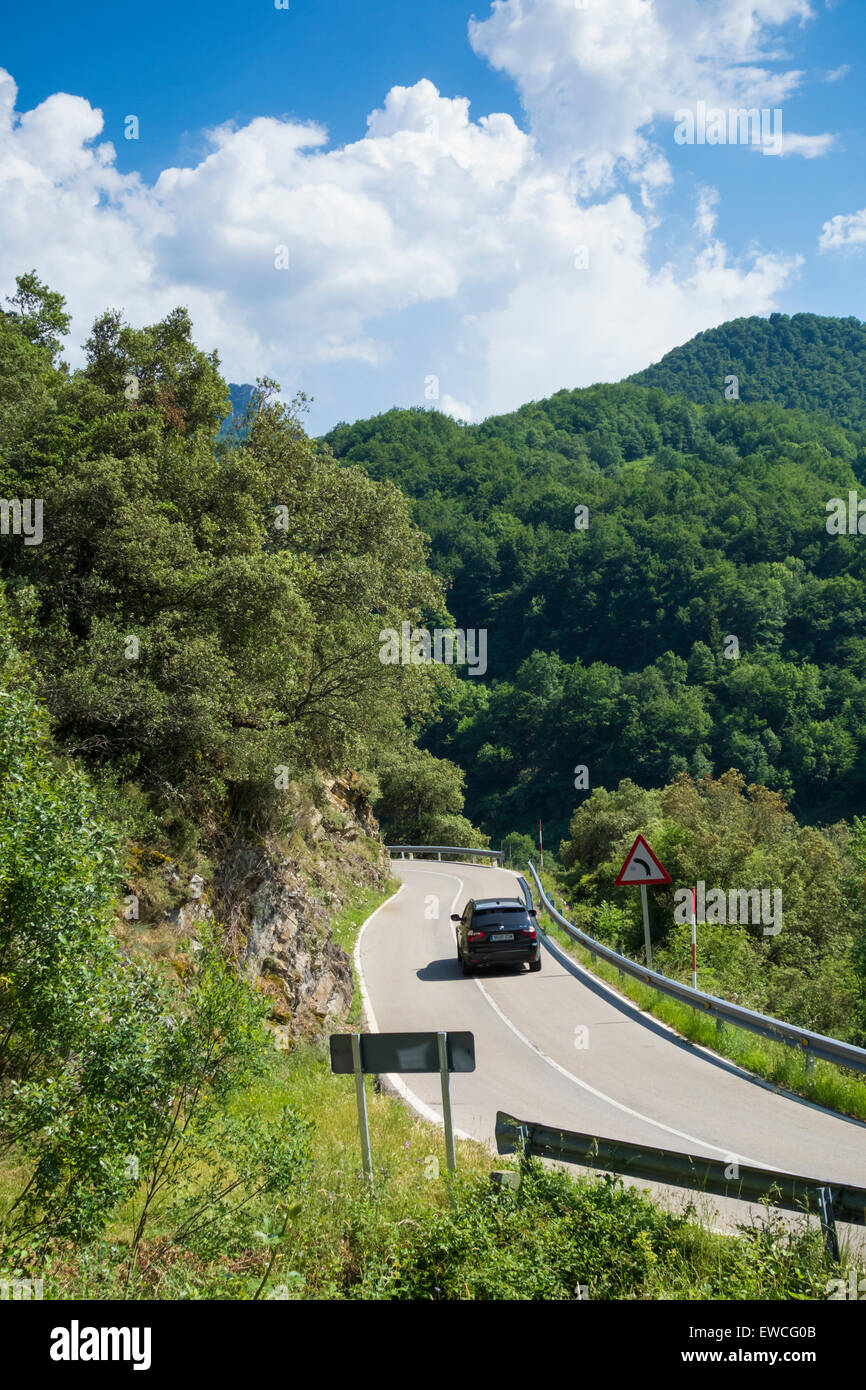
282	932
276	895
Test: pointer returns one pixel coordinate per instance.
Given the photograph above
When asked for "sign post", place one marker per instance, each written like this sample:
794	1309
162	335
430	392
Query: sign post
379	1054
445	1076
694	944
361	1099
647	942
640	869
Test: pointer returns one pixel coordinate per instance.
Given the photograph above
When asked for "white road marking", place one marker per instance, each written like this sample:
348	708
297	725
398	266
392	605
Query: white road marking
617	1104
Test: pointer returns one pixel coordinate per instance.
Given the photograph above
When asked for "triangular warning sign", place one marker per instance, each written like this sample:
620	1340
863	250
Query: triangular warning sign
641	866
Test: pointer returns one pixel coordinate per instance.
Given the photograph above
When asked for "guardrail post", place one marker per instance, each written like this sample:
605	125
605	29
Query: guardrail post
828	1223
720	1027
810	1063
523	1142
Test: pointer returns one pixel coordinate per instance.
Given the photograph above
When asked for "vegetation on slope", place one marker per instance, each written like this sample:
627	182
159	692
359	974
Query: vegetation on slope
610	647
324	1236
808	362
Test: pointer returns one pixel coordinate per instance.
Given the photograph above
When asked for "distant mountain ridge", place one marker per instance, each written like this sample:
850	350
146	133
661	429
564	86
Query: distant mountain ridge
806	361
240	397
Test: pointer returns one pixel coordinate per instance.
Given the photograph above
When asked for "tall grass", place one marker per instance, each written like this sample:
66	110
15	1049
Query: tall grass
421	1235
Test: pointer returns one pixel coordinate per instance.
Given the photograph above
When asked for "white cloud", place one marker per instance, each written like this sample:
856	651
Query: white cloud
456	409
600	83
436	244
791	143
844	231
706	214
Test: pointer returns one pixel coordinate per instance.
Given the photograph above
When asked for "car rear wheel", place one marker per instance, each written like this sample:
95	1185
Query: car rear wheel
535	965
466	967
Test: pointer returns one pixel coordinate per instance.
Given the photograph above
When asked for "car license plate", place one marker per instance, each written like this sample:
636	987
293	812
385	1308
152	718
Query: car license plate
503	936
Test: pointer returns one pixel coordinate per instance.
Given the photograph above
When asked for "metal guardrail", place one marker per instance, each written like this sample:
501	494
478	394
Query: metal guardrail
831	1201
811	1044
439	850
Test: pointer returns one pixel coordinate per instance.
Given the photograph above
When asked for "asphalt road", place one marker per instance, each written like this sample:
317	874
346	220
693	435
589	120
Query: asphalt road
563	1049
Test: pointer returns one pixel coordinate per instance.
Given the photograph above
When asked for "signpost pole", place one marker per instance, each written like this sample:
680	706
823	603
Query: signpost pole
540	843
361	1097
694	943
450	1152
646	930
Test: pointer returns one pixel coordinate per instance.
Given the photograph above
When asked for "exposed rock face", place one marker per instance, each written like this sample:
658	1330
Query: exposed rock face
287	942
276	905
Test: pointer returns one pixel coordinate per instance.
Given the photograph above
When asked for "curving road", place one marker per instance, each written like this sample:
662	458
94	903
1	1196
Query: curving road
631	1078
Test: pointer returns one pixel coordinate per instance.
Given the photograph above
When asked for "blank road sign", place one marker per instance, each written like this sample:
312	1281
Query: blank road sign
402	1052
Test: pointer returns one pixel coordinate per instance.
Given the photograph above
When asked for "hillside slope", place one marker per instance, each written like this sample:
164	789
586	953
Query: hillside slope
807	361
608	641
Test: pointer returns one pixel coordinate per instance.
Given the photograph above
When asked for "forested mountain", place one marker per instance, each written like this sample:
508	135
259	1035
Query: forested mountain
808	361
611	646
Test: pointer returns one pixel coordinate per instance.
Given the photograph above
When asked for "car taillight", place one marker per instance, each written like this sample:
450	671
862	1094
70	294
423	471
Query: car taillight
527	931
475	936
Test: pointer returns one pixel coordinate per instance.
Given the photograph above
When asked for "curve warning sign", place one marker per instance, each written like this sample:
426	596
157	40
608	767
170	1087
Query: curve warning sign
641	867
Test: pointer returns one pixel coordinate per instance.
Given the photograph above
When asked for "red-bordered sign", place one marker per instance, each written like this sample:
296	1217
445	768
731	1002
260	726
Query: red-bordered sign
641	867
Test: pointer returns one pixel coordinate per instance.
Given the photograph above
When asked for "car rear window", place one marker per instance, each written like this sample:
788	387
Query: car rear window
487	917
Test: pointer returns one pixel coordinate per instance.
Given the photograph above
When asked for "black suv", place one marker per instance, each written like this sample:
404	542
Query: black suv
497	931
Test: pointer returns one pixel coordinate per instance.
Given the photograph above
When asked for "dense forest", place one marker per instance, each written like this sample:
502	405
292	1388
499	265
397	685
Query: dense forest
698	615
806	362
676	640
200	612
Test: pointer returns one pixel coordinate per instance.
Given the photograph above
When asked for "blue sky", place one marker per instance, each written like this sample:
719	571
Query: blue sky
432	254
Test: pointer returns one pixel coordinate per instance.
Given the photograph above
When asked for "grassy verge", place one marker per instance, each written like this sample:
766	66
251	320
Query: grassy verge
418	1234
347	924
411	1239
826	1084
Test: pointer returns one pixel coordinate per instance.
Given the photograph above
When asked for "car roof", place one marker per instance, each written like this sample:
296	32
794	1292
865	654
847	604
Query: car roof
498	902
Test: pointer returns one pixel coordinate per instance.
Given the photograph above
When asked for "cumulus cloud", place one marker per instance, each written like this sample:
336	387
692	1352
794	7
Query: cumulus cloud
844	231
601	82
458	410
436	244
